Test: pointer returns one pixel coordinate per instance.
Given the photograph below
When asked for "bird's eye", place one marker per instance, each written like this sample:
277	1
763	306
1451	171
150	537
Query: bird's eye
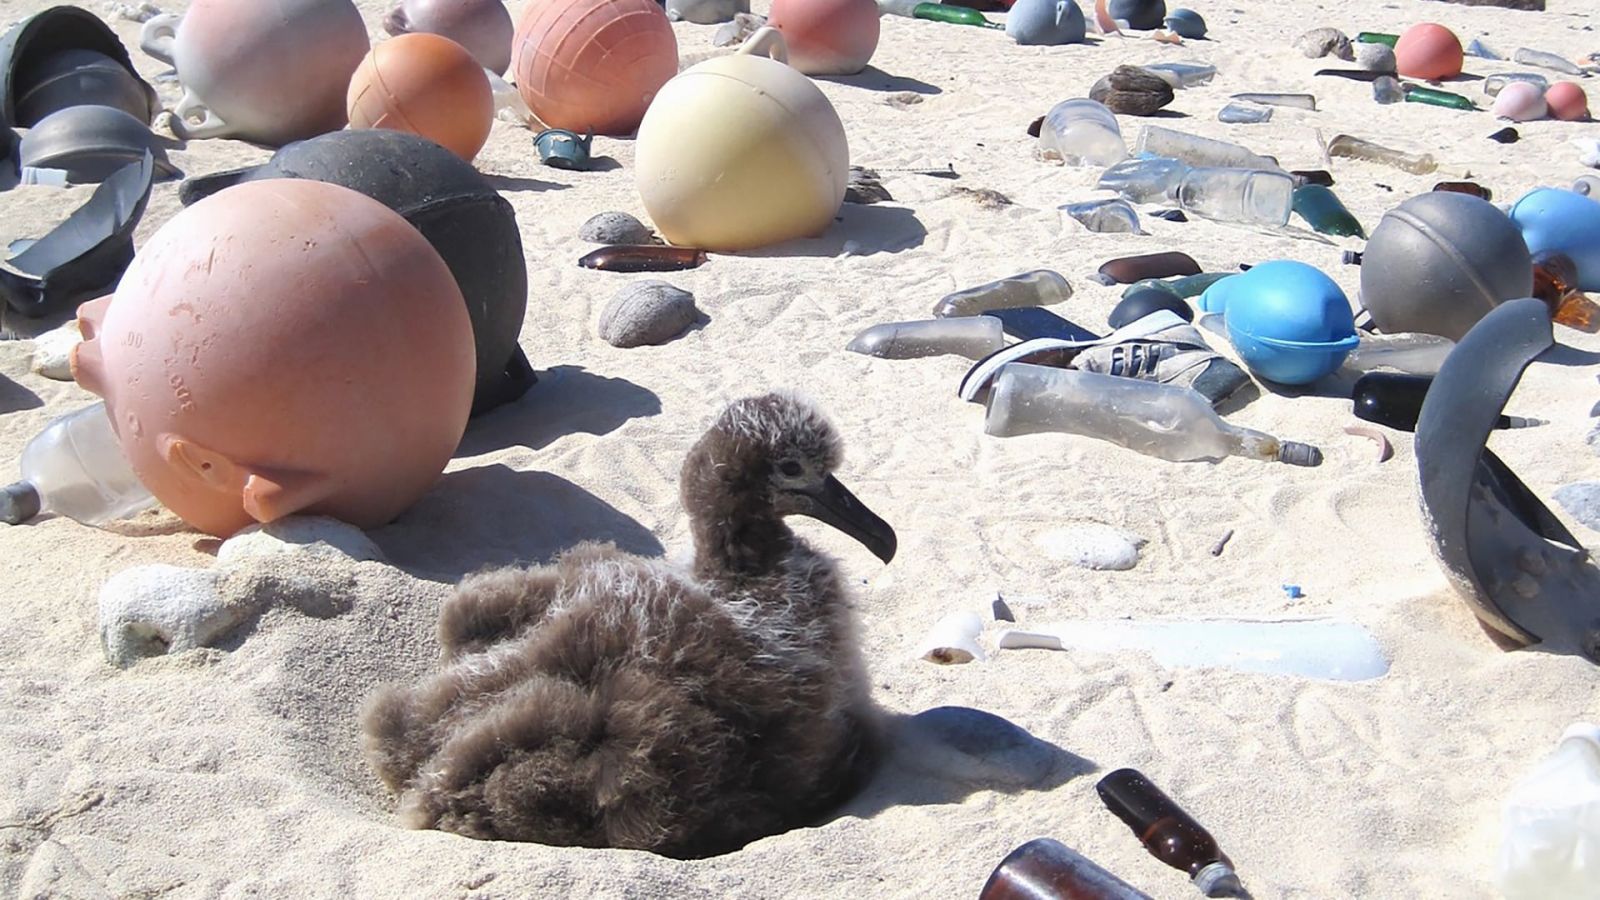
790	468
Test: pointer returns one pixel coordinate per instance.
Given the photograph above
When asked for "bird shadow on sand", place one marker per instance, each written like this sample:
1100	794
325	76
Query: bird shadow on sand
14	397
565	400
873	78
493	515
869	229
945	754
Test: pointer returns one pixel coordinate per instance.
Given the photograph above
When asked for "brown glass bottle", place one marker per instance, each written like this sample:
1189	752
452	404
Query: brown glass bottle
1045	869
643	258
1128	269
1555	279
1170	834
1465	187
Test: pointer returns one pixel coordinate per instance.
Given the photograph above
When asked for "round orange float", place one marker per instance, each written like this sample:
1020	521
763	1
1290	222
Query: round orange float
1428	51
427	85
827	37
1567	101
283	346
593	64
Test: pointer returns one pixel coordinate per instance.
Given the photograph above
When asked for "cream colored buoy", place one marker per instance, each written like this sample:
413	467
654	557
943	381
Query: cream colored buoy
742	152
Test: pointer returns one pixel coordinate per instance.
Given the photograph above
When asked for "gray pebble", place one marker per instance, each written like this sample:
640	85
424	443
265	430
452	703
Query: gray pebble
616	228
1376	58
1582	502
969	745
647	312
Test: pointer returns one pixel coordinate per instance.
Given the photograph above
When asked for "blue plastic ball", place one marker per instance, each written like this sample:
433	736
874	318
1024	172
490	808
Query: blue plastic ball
1186	23
1558	221
1141	14
1288	321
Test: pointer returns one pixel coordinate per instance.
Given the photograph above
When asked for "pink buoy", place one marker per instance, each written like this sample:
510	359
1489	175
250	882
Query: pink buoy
1567	101
1428	51
827	37
593	65
283	346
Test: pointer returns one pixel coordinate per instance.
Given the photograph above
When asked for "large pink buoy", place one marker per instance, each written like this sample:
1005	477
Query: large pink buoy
827	37
283	346
1567	101
269	71
593	64
1428	51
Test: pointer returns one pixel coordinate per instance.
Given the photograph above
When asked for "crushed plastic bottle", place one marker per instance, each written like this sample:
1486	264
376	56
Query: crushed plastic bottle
1530	57
971	336
1352	147
1105	216
1494	84
1143	179
1160	420
1040	287
75	468
1292	101
1550	834
1244	114
1252	196
1183	74
1082	132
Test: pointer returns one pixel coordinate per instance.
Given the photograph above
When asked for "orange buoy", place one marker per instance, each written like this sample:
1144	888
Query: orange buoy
427	85
593	64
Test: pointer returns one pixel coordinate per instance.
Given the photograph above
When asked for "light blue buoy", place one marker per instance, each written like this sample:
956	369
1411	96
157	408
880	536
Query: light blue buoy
1045	22
1288	321
1186	23
1557	221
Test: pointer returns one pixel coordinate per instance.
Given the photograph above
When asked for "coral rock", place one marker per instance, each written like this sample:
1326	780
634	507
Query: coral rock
647	312
1132	91
1320	42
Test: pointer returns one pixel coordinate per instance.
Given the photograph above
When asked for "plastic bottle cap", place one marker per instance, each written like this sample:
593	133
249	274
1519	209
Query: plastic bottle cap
18	503
1587	731
1218	880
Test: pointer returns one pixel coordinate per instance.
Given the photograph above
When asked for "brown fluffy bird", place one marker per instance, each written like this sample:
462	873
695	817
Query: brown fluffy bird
609	700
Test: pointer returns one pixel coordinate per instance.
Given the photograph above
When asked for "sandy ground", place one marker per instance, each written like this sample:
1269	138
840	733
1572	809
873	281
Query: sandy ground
235	771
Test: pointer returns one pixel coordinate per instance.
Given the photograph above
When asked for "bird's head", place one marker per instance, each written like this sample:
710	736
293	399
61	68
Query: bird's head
777	453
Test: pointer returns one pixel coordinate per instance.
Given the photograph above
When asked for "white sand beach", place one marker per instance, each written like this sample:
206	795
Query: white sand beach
236	770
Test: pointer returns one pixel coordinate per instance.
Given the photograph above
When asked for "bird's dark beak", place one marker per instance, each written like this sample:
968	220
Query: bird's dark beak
832	502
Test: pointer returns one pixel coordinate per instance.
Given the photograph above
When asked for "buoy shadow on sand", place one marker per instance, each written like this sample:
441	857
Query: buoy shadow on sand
565	400
947	753
865	229
493	515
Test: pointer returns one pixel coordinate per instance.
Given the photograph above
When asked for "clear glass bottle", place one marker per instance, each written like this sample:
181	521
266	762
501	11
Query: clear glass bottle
1550	837
75	468
1145	179
1543	60
1040	287
1494	84
971	336
1244	114
1355	148
1183	74
1254	196
1082	132
1160	420
1199	151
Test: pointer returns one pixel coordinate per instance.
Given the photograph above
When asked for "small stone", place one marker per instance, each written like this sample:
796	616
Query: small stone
1582	502
134	12
1507	135
153	610
1594	439
616	228
1376	58
52	351
647	312
735	32
303	535
962	744
1132	91
1320	42
864	187
984	197
1091	546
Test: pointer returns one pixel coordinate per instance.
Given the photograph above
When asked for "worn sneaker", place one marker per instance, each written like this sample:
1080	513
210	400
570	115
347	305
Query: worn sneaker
1176	354
1053	351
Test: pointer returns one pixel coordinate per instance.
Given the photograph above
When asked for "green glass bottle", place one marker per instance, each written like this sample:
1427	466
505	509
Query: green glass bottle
1323	211
956	15
1184	286
1432	97
1377	37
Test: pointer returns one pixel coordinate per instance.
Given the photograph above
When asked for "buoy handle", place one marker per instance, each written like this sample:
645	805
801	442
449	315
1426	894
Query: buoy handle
768	42
155	39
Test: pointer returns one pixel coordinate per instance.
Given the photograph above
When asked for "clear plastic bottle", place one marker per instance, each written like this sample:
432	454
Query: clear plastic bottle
1082	132
1183	74
1237	195
1199	151
1041	287
1550	839
1544	60
1244	114
1160	420
1494	84
75	468
1145	179
971	336
1105	216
